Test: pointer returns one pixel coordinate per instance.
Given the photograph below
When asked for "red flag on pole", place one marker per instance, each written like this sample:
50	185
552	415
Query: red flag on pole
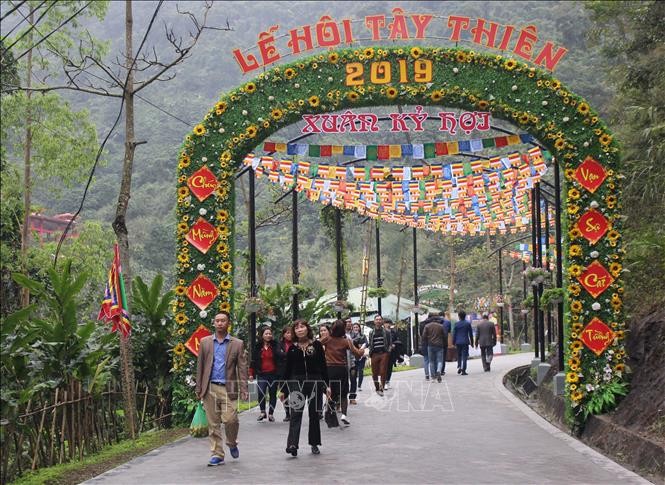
114	305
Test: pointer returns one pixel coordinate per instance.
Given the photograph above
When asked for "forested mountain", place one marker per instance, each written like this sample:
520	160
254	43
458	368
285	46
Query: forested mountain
167	111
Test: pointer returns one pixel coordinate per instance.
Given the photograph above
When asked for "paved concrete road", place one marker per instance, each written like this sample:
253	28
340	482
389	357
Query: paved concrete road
468	429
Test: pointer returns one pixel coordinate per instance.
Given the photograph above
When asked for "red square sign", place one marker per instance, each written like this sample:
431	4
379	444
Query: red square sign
194	341
202	183
590	174
202	292
202	235
593	225
597	336
595	279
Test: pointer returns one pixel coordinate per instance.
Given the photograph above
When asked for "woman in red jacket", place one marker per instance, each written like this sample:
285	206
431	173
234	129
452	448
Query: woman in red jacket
265	362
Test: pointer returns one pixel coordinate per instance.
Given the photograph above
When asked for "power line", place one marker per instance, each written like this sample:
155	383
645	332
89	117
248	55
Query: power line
101	148
12	10
32	26
56	29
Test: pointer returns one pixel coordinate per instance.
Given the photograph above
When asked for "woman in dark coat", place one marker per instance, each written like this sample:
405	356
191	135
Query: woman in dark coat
306	372
284	345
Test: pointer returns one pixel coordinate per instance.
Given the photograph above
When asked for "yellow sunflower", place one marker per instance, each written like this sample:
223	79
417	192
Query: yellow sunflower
352	96
289	73
368	53
180	290
182	227
222	192
251	131
615	269
436	96
510	64
569	173
482	104
220	107
266	124
576	346
225	285
392	92
226	267
225	306
583	109
183	192
573	194
576	306
577	395
574	289
181	331
416	52
572	377
223	231
574	233
179	349
183	258
613	235
277	114
575	250
524	119
461	56
222	215
605	139
225	156
556	84
313	101
573	209
574	270
577	327
222	248
181	318
250	88
333	57
559	144
199	130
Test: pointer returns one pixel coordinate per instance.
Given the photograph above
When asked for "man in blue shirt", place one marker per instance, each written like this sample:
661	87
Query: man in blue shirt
462	338
221	376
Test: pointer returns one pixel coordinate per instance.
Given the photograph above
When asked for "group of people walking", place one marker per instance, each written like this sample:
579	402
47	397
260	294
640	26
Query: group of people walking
299	368
304	371
435	342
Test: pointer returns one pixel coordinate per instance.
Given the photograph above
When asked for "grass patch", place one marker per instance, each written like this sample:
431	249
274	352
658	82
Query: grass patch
109	457
368	370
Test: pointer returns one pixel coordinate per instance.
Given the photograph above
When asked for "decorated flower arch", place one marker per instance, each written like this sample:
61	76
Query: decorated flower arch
511	90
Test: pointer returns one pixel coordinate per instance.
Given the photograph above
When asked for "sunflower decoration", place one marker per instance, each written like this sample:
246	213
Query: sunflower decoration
222	192
613	236
183	257
510	64
222	248
183	192
615	268
392	92
620	367
574	270
572	377
184	161
226	267
575	250
352	96
225	156
182	228
583	109
181	331
277	114
368	53
573	209
605	139
181	318
251	131
225	284
250	88
222	215
574	233
573	194
577	327
436	96
220	107
555	84
461	56
416	52
179	349
333	57
559	143
223	232
574	289
577	396
576	306
289	73
225	306
180	289
569	173
524	119
199	130
482	104
314	101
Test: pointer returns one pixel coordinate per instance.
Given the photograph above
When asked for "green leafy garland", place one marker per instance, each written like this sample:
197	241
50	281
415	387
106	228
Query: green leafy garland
512	90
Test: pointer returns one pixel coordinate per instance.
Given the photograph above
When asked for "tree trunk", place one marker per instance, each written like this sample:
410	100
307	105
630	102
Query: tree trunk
451	304
27	182
120	226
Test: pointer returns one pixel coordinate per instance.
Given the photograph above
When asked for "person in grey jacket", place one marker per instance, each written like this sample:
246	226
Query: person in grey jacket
435	338
486	338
